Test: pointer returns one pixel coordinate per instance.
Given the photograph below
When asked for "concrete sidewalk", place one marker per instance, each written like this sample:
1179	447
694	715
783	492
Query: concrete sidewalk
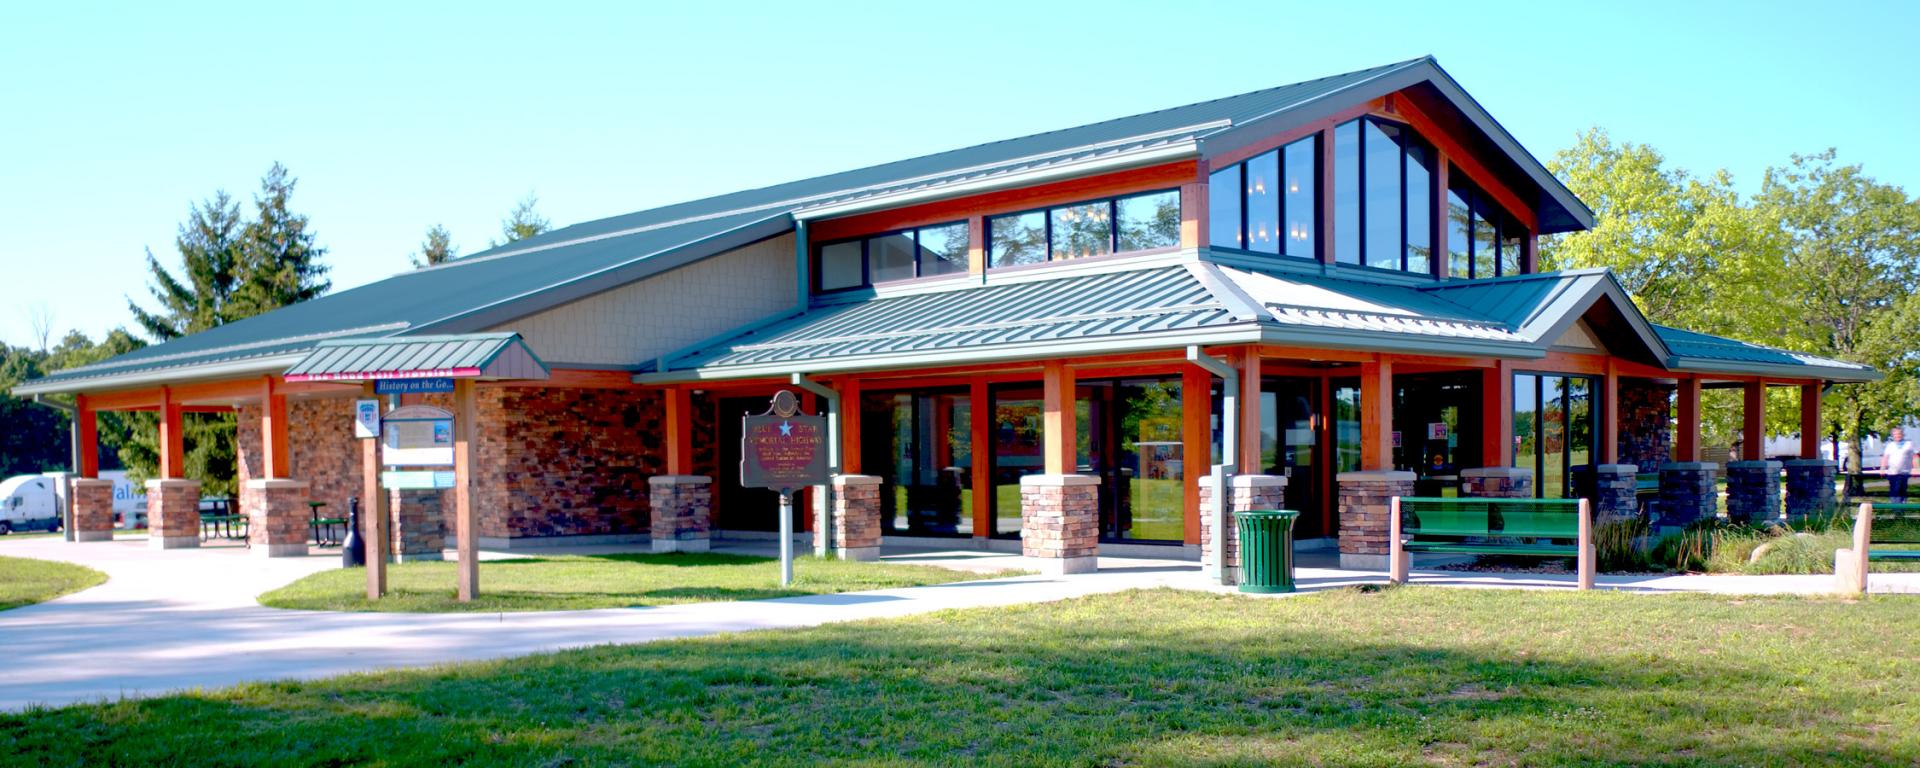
177	619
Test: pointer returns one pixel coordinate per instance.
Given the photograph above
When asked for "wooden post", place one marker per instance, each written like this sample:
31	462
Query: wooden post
980	404
1442	249
468	538
1850	565
1194	207
1810	394
1250	419
1753	428
1196	443
1496	418
1398	561
1686	429
1325	240
679	428
373	511
172	437
1376	414
1061	450
1609	437
1585	561
86	427
274	452
849	426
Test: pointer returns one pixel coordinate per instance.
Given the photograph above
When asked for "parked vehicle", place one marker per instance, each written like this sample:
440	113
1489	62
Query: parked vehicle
27	503
129	500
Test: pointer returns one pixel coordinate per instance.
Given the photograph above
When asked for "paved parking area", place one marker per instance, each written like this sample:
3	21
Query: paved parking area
178	619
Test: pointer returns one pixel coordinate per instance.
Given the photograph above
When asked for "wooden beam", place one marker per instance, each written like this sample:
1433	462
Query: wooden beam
1686	429
1447	143
1609	437
679	429
1325	241
570	378
977	245
1195	209
172	437
1061	443
373	510
467	540
1376	414
275	454
1250	418
1496	417
86	427
1441	229
1753	417
980	427
849	425
1196	443
1153	177
1810	394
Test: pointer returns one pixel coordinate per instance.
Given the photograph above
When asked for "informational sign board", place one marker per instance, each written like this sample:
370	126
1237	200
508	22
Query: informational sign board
417	436
412	386
1436	430
1396	438
366	419
783	449
416	479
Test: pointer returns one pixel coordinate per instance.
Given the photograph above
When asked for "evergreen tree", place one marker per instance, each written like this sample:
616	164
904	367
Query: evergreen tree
209	246
279	261
437	249
522	223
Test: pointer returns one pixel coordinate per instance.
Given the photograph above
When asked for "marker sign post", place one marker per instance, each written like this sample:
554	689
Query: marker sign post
783	449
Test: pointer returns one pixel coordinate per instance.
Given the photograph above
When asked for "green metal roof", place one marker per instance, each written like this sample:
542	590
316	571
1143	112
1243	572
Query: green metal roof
1693	351
479	355
496	286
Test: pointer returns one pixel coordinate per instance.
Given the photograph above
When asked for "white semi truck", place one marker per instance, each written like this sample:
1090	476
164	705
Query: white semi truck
32	502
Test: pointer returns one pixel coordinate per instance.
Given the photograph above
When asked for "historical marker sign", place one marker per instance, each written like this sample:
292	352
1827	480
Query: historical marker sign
412	386
418	436
783	449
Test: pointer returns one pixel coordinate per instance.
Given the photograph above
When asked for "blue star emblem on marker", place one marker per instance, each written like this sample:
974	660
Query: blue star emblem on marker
786	429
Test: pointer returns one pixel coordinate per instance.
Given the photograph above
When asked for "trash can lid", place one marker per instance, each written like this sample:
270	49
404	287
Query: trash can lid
1277	513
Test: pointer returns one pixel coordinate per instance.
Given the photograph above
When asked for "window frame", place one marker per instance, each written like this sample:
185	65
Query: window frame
1597	401
1112	203
1280	200
1360	192
1505	227
866	256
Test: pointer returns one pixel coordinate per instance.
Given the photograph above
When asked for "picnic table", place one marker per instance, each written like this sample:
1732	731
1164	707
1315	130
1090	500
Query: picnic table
324	528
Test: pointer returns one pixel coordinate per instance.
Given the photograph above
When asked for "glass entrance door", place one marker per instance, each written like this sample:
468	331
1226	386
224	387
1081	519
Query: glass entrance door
1131	438
1290	445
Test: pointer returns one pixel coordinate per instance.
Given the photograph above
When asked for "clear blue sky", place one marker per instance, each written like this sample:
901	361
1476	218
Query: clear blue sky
114	119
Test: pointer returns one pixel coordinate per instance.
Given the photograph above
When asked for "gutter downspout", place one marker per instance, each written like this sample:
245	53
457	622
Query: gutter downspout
65	496
1229	453
822	504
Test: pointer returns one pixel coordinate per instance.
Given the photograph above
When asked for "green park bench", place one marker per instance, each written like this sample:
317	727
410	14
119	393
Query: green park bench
1479	526
1882	532
223	525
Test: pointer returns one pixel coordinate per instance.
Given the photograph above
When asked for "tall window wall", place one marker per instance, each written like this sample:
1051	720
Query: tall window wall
902	255
1269	204
1482	241
1555	423
1383	177
1081	230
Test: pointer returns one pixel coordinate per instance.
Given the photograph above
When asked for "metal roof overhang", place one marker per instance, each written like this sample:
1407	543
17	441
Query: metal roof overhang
494	356
1708	365
157	376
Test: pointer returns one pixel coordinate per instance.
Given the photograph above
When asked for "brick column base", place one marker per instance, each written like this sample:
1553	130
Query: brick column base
92	509
173	513
1615	498
1365	502
1496	483
1060	523
1687	494
419	529
682	512
277	517
1753	492
856	517
1244	492
1809	488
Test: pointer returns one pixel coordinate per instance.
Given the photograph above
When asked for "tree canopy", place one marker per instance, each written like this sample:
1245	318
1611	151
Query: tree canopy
523	222
436	249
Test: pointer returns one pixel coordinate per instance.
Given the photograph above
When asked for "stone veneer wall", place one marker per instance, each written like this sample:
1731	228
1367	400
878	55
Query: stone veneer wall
1244	492
1366	503
564	462
1646	432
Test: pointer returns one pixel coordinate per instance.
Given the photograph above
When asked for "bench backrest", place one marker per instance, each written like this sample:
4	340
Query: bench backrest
1895	523
1527	518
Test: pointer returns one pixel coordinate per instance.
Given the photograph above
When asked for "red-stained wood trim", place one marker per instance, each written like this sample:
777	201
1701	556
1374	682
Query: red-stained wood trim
1195	208
172	437
1376	414
1250	417
275	454
1279	139
1163	176
1445	141
1609	438
980	430
679	428
87	429
849	424
1061	446
572	378
1810	395
1326	243
1196	438
976	245
1753	422
1496	412
1686	430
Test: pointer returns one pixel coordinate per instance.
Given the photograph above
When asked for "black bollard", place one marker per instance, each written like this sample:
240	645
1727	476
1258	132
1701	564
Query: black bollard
354	551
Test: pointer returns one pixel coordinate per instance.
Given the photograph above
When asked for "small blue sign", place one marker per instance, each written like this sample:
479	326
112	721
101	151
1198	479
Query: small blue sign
411	386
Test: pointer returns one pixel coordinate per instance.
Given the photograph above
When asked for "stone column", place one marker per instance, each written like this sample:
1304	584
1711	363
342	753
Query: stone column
419	529
1365	501
856	517
1809	488
1244	492
1687	494
1060	522
1753	492
1615	497
173	513
1496	483
92	509
277	517
682	512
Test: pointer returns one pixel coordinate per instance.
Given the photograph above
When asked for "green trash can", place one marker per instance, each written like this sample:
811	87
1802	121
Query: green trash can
1266	550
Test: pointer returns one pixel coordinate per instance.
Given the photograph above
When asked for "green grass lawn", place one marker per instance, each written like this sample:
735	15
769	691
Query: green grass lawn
24	581
604	581
1406	676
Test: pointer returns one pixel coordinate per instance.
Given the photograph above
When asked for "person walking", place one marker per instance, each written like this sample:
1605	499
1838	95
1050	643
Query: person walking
1896	461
